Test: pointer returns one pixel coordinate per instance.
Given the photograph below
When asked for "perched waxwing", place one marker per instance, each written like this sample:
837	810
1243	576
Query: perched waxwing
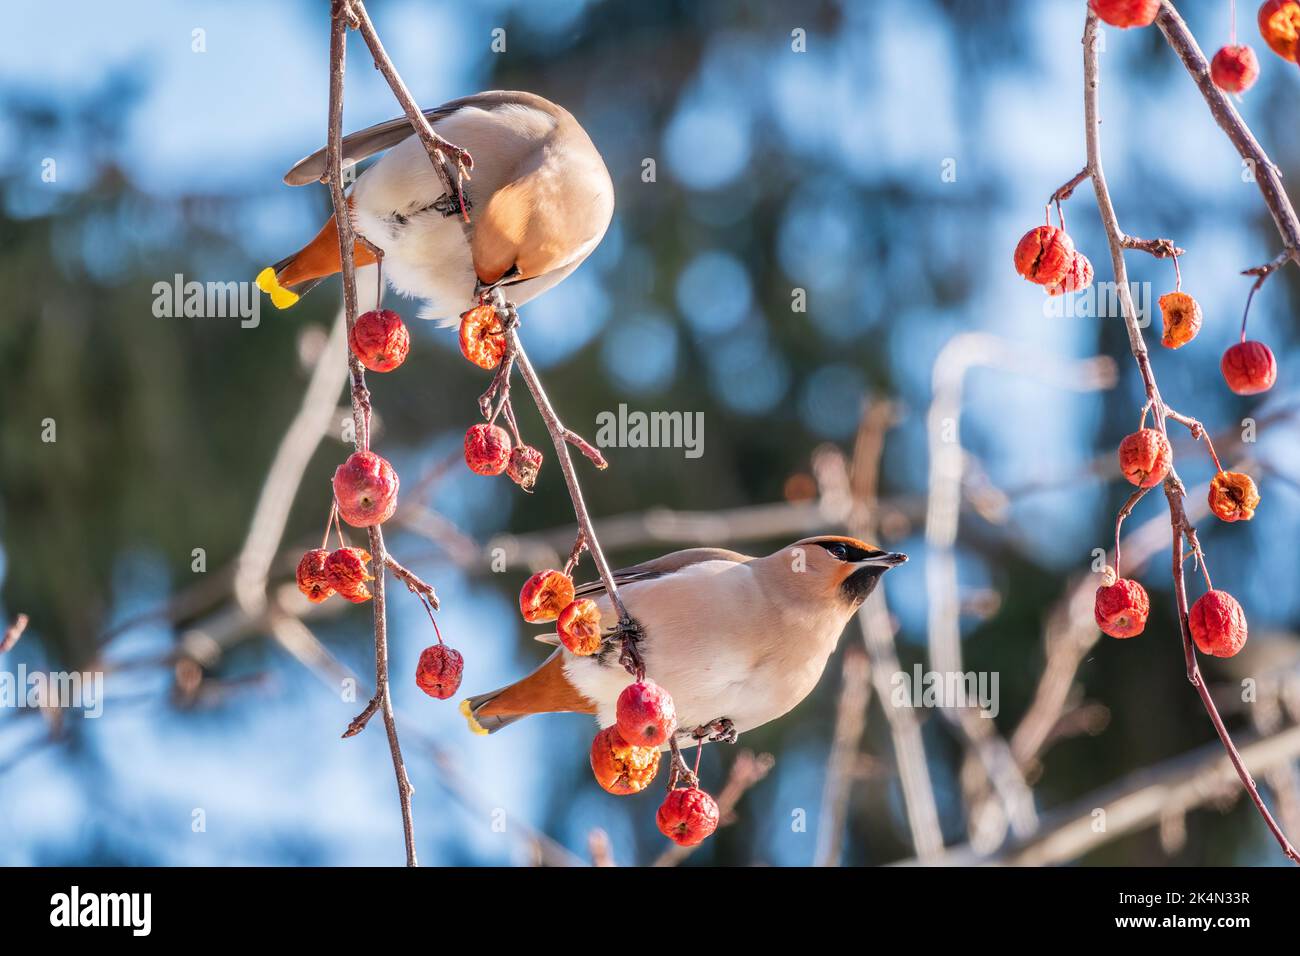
539	202
738	641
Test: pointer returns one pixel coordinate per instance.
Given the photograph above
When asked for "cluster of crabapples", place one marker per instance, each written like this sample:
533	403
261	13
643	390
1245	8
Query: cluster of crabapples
1235	67
1217	622
1046	256
624	755
365	495
489	449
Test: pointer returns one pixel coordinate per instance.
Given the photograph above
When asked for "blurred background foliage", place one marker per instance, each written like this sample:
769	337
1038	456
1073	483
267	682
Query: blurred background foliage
775	171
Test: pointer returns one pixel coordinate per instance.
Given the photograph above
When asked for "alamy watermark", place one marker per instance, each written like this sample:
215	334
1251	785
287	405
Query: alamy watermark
637	429
208	300
133	911
1101	300
934	689
83	691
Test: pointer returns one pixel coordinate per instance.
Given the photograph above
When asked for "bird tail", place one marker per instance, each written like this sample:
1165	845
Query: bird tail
294	276
545	691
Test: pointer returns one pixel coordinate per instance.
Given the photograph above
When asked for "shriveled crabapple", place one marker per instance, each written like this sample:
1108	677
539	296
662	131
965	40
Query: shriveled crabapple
347	572
1233	496
1145	457
1180	315
365	487
579	627
1077	277
622	768
439	671
487	449
545	595
1044	254
379	338
482	337
1126	13
1121	609
1235	68
311	576
525	462
646	714
1249	368
688	816
1279	25
1218	624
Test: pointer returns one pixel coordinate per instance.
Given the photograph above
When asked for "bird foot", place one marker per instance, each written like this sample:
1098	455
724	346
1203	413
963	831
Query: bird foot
452	204
720	731
679	774
630	633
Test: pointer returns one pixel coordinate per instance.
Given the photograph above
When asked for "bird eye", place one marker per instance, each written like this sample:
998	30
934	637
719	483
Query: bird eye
840	551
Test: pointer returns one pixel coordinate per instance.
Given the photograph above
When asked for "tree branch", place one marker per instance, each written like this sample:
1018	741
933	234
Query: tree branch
562	437
438	148
1141	799
1171	24
1267	176
382	701
13	632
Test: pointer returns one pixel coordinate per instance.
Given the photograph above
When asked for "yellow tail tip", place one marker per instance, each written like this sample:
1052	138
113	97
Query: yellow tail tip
281	297
474	726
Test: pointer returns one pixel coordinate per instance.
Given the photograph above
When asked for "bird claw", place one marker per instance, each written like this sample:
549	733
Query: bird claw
630	633
452	205
678	772
720	731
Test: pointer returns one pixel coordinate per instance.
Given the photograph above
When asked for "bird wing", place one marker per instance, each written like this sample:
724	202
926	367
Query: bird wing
375	139
661	567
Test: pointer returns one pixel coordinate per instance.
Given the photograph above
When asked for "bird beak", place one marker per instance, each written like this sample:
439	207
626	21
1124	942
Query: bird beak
884	559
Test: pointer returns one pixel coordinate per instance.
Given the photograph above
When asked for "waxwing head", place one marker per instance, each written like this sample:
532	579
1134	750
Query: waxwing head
844	568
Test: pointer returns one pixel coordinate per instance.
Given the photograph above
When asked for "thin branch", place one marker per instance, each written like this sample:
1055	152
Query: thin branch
850	724
412	580
1267	176
339	16
1141	799
437	147
859	484
13	632
598	845
1160	248
960	355
1066	190
1176	32
562	437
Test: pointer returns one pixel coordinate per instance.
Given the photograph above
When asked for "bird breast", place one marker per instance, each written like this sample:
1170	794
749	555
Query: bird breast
717	643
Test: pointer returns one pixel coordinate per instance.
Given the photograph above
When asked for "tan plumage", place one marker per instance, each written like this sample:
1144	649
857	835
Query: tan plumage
540	201
728	635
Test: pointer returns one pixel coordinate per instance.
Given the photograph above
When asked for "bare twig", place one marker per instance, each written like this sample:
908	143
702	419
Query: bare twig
412	581
1171	24
598	845
1139	800
13	632
339	16
292	634
959	355
562	437
859	484
438	148
1267	176
850	723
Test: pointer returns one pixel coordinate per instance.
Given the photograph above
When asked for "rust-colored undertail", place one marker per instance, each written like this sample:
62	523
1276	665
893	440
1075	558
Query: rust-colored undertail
544	691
